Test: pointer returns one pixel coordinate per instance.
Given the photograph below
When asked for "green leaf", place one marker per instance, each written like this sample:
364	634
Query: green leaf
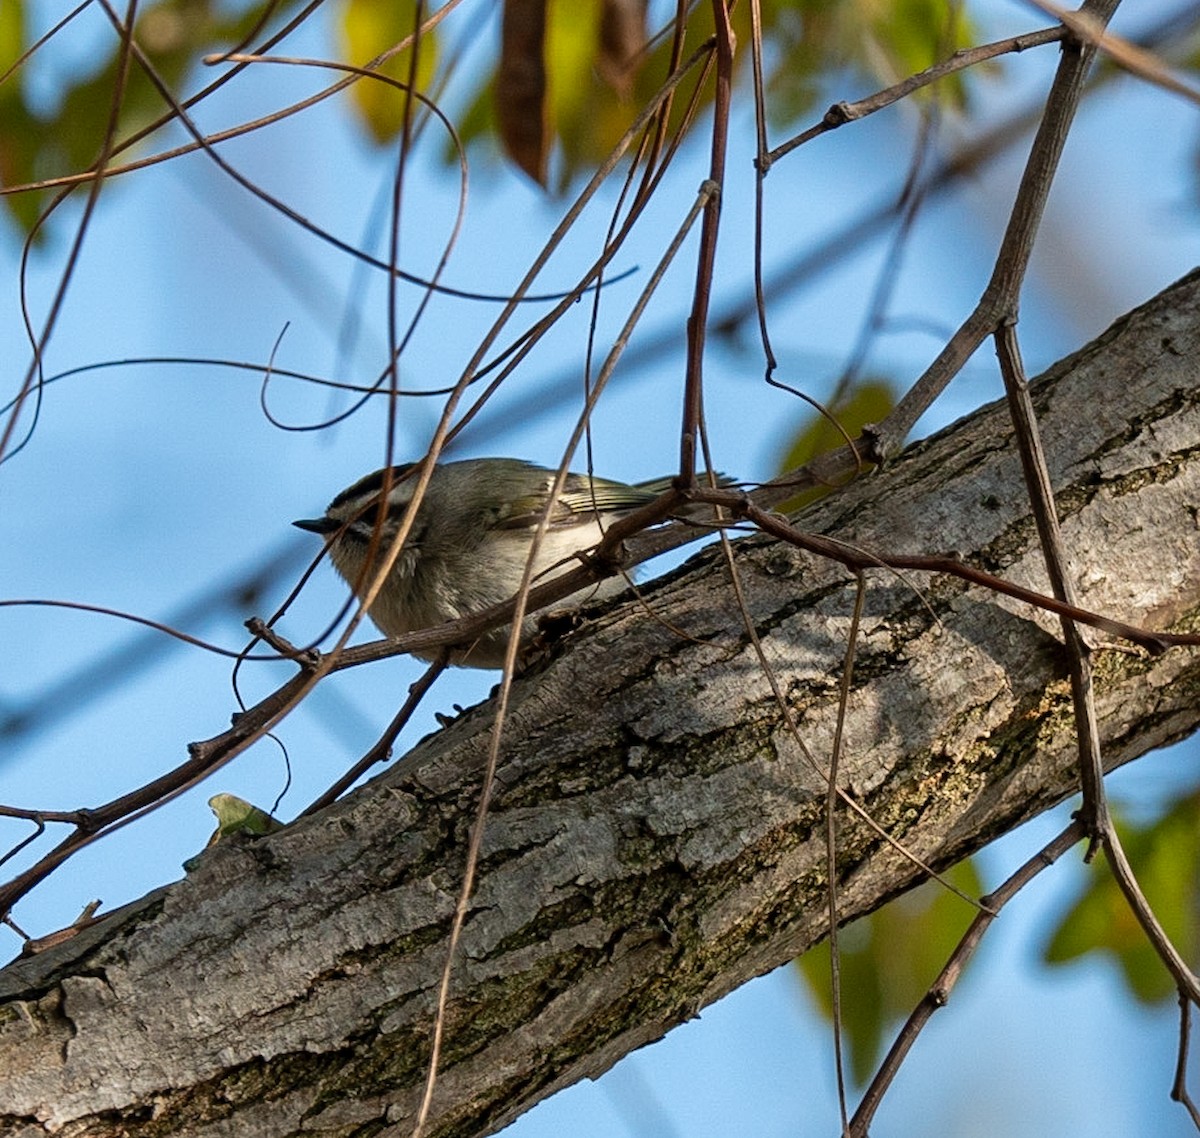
237	816
914	34
20	134
174	34
888	961
12	33
869	401
367	29
882	42
572	46
1165	855
808	41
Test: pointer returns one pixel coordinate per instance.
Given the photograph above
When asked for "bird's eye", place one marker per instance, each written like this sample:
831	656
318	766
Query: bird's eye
367	520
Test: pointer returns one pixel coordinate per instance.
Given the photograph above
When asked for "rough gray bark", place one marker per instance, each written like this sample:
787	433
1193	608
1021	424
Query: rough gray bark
656	836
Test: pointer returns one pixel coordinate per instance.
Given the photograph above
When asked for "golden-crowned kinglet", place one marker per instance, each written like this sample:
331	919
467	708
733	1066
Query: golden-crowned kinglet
470	541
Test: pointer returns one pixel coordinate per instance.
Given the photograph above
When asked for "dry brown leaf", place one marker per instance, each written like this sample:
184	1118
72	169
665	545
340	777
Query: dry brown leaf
522	119
622	42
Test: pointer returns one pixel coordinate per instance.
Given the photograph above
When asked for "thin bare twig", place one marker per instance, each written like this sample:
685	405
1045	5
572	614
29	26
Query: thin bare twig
1094	814
1185	979
707	191
831	798
1145	65
95	181
834	246
1041	500
854	558
841	113
761	165
1000	296
939	991
1179	1091
381	751
655	108
793	727
697	323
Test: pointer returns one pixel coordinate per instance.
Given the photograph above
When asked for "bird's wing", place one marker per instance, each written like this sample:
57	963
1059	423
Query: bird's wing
581	499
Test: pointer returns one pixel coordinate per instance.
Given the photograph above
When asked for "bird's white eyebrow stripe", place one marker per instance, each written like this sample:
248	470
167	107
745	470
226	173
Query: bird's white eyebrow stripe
371	483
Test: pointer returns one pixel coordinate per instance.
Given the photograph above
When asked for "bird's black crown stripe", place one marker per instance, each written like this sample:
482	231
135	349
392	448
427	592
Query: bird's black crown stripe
372	482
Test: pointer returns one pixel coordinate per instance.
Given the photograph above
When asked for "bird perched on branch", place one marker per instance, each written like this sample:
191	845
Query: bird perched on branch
470	540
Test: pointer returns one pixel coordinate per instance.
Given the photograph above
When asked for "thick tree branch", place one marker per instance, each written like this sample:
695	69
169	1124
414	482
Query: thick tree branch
656	834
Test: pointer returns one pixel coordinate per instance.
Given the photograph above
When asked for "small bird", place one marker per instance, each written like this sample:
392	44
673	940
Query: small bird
470	540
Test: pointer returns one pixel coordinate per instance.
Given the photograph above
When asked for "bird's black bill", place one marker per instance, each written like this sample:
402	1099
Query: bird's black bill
318	525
